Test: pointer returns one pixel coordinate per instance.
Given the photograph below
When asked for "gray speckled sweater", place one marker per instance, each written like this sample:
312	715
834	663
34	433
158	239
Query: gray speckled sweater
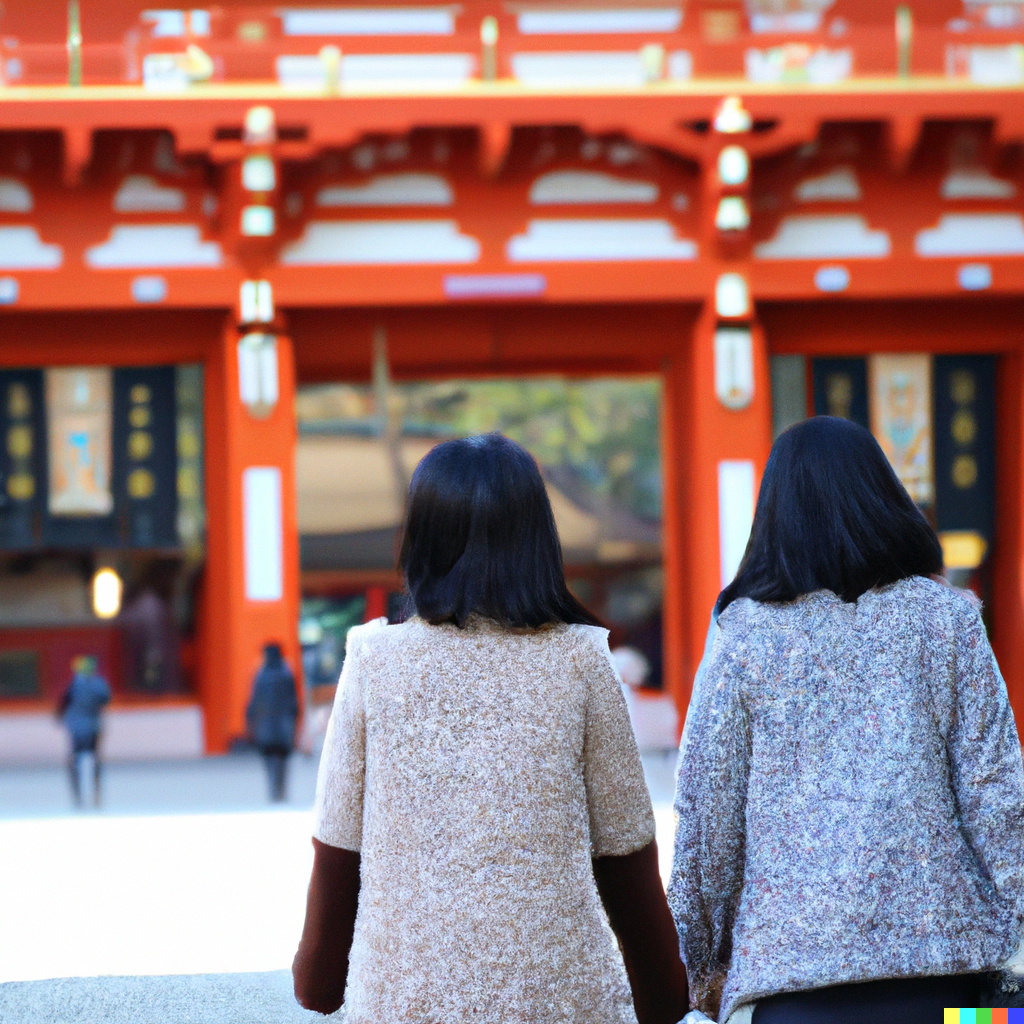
850	798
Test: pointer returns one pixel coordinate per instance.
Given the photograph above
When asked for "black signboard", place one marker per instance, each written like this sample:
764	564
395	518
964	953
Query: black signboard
22	459
145	462
965	443
841	389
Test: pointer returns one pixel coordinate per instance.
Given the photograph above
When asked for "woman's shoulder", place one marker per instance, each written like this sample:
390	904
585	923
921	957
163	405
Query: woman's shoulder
371	635
929	595
592	636
586	642
923	595
378	634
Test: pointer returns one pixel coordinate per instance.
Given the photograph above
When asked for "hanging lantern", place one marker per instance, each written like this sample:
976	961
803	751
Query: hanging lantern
734	367
258	373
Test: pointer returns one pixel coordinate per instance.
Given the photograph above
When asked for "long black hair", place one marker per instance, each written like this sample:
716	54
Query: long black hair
831	515
480	538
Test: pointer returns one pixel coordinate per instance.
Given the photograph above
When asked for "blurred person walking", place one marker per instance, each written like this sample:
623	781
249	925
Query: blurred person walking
481	803
850	794
271	716
80	709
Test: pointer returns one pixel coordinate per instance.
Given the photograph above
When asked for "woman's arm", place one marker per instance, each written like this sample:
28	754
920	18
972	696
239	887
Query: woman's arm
634	900
985	762
698	677
711	793
320	968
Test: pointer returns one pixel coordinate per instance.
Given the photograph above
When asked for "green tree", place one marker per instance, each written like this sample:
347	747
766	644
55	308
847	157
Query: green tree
605	429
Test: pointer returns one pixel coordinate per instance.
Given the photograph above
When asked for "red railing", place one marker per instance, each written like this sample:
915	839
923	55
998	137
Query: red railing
421	46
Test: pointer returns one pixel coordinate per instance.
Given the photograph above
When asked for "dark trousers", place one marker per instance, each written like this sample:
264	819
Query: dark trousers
82	745
276	761
901	1000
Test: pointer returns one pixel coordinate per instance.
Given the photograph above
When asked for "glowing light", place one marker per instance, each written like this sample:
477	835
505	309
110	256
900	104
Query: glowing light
732	214
732	297
255	302
258	174
733	165
260	126
106	593
732	118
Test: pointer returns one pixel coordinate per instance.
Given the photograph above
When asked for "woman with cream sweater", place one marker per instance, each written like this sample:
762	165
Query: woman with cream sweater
481	809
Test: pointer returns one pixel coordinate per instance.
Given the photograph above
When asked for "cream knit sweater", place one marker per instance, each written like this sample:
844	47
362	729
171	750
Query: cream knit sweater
477	771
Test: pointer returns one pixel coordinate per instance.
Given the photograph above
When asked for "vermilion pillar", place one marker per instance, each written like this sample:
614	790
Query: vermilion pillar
714	456
1007	608
251	593
676	524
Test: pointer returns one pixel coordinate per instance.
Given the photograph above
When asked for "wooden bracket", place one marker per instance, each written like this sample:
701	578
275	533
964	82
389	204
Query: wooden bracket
495	142
1008	128
904	133
77	153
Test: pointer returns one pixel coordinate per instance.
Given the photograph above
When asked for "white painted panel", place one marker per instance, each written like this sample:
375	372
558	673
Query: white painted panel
133	246
310	73
680	66
478	286
574	69
262	533
840	185
576	187
789	21
142	193
996	65
976	183
167	24
149	288
15	197
369	21
831	279
600	21
598	240
973	234
22	249
974	277
407	189
824	238
301	71
735	513
384	242
429	69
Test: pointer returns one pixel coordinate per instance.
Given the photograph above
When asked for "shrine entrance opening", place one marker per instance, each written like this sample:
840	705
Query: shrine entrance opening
582	388
596	440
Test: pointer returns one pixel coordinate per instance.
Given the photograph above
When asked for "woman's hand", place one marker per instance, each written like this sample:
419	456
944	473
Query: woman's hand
320	968
634	899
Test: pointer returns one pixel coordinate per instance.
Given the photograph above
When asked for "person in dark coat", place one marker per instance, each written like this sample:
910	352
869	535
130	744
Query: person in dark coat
271	715
80	708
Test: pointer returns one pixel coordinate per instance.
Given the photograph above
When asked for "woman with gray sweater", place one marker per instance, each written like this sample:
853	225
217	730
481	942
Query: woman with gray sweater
850	794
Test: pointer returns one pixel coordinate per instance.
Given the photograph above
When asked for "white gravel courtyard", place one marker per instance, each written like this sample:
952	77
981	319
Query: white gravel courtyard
130	891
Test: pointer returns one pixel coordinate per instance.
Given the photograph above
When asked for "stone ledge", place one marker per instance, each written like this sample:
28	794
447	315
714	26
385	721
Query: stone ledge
263	998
